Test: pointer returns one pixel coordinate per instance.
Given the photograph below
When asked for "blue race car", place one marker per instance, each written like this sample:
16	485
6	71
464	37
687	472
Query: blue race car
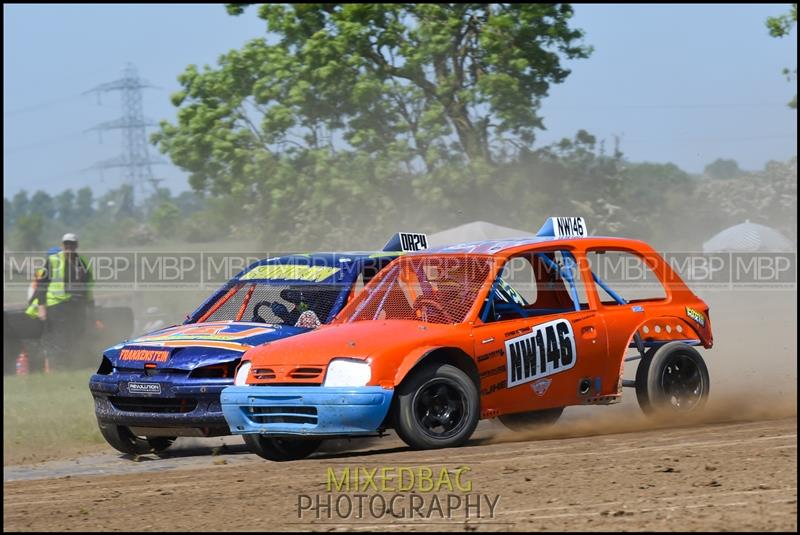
167	383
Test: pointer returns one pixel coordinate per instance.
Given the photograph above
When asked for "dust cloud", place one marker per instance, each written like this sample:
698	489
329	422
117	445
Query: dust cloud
752	369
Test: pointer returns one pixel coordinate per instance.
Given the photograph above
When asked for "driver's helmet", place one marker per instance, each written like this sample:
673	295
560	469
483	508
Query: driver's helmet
295	297
308	320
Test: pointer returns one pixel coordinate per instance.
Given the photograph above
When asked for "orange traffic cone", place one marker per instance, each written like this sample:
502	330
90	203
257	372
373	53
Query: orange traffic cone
22	363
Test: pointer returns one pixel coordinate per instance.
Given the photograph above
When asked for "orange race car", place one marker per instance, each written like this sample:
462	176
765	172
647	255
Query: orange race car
516	329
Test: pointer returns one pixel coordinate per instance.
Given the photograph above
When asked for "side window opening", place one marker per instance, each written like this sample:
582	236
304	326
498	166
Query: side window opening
546	282
623	277
518	274
560	281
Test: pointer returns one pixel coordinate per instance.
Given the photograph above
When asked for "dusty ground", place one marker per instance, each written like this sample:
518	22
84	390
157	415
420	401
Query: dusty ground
728	476
600	468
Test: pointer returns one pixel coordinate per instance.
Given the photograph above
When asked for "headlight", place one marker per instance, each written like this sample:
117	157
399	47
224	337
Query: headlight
347	372
241	374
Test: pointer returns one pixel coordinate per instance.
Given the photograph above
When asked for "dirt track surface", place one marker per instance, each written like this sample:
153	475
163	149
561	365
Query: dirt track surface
598	468
714	476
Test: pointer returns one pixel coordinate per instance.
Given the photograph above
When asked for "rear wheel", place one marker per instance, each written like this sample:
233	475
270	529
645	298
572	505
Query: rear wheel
531	421
281	449
122	439
672	380
436	406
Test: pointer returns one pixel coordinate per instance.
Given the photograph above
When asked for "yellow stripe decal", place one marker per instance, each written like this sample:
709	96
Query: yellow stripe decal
292	272
197	343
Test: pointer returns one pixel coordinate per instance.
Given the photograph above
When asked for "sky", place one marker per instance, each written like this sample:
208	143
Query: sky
685	84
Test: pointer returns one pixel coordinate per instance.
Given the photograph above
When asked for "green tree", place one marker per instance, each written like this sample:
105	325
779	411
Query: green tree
654	196
368	103
19	204
65	207
388	73
213	220
84	205
8	217
590	181
189	202
165	218
118	202
781	26
769	195
27	235
159	195
42	204
722	168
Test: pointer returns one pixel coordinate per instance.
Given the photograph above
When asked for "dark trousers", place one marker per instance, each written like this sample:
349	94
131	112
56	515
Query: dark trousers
64	333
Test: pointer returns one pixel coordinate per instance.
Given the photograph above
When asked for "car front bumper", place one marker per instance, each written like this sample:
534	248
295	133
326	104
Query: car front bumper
180	404
305	410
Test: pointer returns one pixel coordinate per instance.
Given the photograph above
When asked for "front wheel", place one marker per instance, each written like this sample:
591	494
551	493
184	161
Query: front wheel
122	439
531	421
281	449
672	380
437	406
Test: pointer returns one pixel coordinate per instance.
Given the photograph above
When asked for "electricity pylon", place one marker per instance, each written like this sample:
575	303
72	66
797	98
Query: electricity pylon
135	159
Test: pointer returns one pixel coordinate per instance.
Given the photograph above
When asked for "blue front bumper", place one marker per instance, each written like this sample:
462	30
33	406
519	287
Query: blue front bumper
180	403
305	410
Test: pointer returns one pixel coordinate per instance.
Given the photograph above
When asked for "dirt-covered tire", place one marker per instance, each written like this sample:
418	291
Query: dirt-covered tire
436	406
122	439
522	422
672	380
281	449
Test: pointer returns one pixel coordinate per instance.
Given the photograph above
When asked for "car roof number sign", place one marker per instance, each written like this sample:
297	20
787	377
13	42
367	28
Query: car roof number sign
569	227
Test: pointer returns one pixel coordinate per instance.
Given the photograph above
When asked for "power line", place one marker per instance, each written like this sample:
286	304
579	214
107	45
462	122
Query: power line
51	103
135	159
41	106
41	143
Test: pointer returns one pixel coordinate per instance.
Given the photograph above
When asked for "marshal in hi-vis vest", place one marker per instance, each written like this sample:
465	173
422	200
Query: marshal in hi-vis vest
57	291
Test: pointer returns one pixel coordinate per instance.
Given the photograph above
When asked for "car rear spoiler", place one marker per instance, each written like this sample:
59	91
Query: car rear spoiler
406	242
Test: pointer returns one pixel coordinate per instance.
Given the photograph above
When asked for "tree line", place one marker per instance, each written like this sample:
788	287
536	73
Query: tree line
354	119
348	122
656	202
37	221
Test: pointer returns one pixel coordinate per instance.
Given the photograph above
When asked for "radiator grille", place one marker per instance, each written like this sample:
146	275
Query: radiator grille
305	373
263	373
284	415
161	405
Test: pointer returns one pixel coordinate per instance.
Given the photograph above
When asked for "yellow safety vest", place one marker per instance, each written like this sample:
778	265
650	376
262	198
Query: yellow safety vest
56	291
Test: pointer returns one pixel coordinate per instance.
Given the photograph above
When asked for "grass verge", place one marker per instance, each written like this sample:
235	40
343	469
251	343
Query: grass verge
47	416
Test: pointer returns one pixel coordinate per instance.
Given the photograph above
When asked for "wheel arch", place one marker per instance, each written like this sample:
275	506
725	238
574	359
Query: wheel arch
659	330
425	356
444	354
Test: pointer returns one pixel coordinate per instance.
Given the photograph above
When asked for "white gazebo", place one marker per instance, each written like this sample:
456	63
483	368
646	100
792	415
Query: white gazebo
748	237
